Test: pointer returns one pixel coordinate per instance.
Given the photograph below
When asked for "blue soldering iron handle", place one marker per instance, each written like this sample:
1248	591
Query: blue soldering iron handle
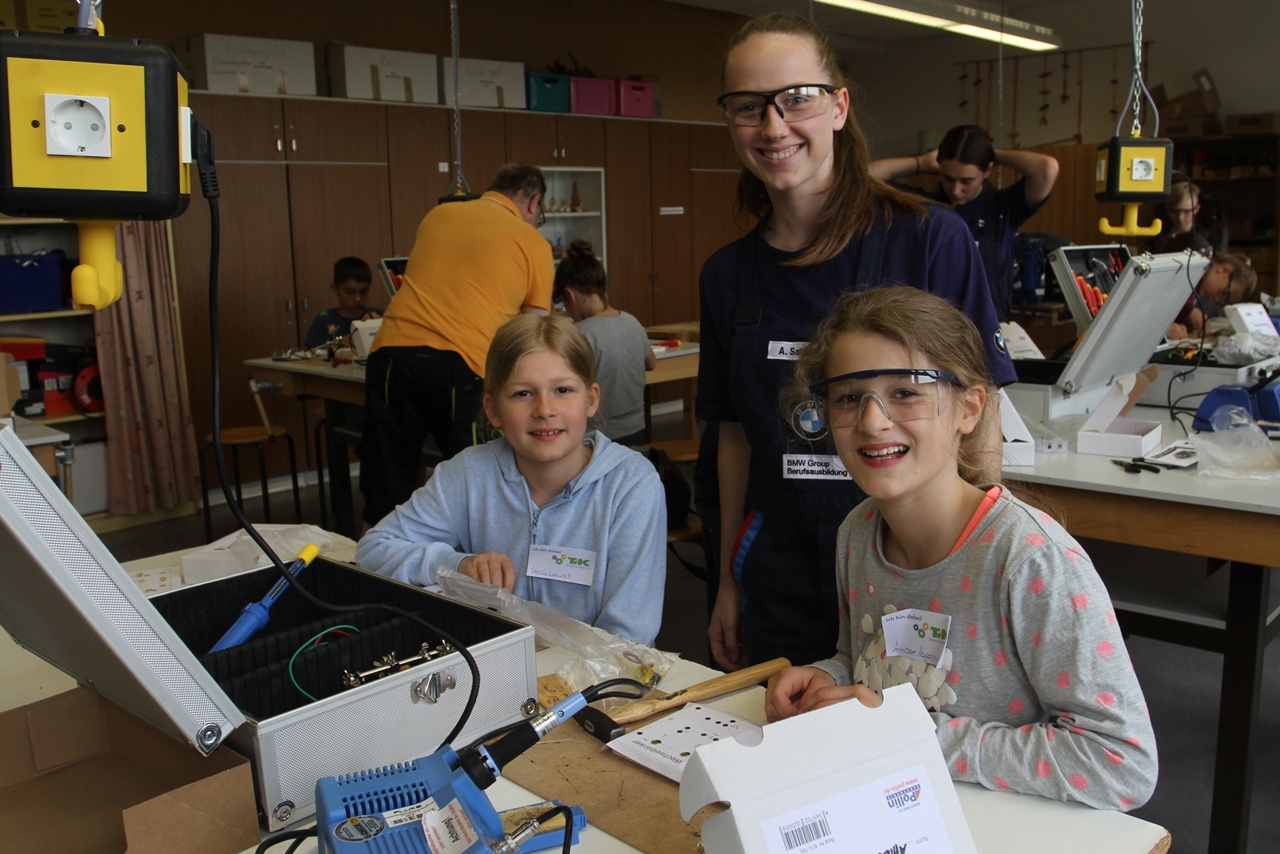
255	615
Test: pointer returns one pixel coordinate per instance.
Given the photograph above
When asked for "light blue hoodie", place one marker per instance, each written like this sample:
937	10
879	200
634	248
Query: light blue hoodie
479	502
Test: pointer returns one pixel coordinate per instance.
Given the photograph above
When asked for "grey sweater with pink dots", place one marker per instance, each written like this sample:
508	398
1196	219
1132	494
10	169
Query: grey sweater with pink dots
1035	692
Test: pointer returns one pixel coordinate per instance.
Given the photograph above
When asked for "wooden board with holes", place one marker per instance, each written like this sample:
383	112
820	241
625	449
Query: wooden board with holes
626	801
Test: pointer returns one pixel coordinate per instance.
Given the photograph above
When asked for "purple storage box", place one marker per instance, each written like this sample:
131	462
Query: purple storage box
31	283
635	99
593	95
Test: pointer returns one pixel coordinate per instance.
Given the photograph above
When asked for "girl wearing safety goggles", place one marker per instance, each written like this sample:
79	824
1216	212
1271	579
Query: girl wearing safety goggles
985	604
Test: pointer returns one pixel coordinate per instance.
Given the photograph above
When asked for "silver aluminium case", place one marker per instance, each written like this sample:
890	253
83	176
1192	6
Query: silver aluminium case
69	601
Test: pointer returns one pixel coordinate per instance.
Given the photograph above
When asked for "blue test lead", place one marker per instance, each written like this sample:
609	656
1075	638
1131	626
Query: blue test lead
255	614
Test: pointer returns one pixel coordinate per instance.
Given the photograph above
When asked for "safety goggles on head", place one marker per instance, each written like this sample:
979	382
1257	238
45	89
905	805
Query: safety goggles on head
798	102
907	394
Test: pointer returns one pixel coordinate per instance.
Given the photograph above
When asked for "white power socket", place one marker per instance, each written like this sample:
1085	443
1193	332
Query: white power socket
77	125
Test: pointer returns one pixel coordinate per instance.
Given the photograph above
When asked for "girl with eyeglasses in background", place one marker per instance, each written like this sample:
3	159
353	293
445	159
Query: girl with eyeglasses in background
826	226
1024	671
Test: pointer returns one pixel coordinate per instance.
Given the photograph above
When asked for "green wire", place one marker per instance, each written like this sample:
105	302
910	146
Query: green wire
304	646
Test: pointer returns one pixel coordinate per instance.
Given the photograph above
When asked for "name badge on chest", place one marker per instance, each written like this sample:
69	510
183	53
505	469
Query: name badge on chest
813	467
921	635
787	350
576	566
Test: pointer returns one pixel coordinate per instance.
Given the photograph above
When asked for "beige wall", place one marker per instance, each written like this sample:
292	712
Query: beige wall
683	45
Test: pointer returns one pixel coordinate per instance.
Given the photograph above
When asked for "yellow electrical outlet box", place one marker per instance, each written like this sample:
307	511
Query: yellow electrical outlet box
95	128
1133	170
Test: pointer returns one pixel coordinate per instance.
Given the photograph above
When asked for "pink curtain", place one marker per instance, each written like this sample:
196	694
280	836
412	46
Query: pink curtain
151	444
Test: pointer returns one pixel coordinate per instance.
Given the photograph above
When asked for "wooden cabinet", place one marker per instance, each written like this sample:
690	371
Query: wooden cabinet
303	182
563	224
556	139
629	221
417	146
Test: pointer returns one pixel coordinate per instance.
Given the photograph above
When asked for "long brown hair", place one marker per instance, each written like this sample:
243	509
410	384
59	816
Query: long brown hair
852	201
926	326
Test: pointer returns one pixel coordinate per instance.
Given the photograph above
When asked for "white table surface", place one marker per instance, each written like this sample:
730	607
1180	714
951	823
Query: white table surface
999	821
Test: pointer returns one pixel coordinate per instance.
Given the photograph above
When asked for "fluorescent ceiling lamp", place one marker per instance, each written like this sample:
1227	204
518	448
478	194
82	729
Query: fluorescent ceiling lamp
959	19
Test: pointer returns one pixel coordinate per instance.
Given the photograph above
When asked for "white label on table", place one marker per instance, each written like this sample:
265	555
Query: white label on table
921	635
448	829
813	467
897	814
788	350
576	566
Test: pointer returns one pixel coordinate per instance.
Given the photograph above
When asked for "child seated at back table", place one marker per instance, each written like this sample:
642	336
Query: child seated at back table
352	280
1032	690
1228	279
622	348
548	511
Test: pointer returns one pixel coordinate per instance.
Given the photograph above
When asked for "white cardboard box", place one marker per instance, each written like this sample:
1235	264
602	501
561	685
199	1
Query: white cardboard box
1019	446
485	83
381	75
244	64
1108	435
846	776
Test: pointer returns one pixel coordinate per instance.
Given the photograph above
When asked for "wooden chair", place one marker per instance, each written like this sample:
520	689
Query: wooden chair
259	436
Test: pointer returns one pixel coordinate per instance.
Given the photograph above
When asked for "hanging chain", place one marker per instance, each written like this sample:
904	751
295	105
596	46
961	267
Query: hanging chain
1137	67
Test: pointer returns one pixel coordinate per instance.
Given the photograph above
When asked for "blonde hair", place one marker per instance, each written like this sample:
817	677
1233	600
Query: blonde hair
1242	273
927	326
1182	191
532	333
850	206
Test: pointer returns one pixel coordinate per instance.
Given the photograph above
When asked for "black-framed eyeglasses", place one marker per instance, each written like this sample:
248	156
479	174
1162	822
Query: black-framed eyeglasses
799	101
542	212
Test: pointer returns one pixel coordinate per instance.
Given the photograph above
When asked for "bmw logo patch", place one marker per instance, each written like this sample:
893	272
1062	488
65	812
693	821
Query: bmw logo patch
999	339
811	420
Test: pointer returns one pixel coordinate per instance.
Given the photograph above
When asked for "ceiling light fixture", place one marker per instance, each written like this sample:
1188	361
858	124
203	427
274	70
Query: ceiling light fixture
959	19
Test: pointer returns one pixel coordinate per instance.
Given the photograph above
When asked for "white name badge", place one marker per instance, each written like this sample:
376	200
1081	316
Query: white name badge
813	467
789	350
921	635
576	566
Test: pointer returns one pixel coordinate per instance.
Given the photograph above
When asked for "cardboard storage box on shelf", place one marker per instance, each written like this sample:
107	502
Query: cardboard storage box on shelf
484	83
1203	100
1190	126
10	383
872	780
381	75
243	64
82	774
1106	434
593	95
31	283
297	719
1252	122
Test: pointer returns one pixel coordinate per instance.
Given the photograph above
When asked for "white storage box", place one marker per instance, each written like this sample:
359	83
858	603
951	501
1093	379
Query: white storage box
1106	434
244	64
841	778
381	75
1019	446
69	601
485	83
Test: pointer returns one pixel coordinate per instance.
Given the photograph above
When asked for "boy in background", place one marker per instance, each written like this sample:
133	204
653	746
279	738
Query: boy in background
351	282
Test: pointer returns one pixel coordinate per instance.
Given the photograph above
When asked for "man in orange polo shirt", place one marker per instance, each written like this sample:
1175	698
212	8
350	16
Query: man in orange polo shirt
474	266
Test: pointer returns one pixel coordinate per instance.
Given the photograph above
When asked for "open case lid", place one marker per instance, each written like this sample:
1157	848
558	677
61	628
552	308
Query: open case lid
1149	293
1099	266
391	269
68	600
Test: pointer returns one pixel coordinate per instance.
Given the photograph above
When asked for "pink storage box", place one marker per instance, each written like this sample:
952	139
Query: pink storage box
593	95
635	99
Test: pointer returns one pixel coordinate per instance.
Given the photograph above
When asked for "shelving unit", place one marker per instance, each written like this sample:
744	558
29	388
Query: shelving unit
565	226
1239	172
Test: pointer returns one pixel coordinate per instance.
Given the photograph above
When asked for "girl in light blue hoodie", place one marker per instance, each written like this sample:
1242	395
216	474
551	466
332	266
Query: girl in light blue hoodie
553	514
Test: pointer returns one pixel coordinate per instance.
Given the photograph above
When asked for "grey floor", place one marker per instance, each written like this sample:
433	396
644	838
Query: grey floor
1181	684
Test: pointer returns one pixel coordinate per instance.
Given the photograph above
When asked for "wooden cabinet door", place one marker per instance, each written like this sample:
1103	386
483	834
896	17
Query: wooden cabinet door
417	146
256	301
670	205
629	219
243	128
531	138
484	146
713	190
581	141
336	209
335	131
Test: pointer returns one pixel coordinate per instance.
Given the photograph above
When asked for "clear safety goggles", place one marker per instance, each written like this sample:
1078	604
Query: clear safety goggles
794	104
903	394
